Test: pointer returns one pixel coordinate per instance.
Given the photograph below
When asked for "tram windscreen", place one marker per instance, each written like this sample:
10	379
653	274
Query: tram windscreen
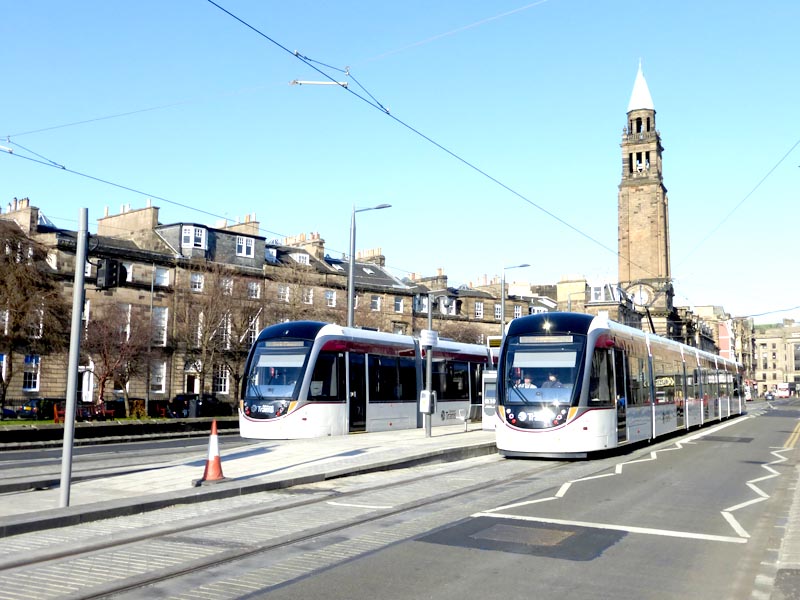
541	379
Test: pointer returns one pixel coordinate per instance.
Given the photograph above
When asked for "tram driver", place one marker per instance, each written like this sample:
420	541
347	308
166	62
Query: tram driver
526	382
552	381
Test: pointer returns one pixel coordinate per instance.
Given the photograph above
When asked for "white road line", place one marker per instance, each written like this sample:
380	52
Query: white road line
628	529
373	506
735	524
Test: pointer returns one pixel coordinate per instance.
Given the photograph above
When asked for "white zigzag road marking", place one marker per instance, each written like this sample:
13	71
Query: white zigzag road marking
762	495
726	513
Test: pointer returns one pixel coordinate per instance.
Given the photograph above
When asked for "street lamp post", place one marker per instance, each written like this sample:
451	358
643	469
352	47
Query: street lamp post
351	292
503	297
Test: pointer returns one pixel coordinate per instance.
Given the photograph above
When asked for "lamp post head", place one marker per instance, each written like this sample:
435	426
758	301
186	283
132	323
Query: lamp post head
357	210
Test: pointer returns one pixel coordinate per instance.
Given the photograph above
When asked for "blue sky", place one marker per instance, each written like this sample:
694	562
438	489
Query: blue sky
532	94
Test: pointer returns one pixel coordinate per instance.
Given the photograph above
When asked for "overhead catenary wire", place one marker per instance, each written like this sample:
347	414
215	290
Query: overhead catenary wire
378	106
49	163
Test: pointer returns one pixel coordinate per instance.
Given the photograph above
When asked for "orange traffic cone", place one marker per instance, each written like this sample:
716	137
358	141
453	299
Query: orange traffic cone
213	471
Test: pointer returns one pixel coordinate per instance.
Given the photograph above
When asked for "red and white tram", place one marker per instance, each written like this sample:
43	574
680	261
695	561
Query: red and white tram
307	379
571	384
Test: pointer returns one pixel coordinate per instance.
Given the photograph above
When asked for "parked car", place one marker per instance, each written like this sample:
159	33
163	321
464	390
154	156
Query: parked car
769	396
40	409
9	413
198	405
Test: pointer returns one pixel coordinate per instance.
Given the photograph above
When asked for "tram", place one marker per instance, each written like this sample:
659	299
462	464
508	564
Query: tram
307	379
572	384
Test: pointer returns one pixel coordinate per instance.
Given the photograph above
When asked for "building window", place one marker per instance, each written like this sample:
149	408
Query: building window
30	373
158	377
36	326
398	304
221	379
197	281
4	321
161	276
517	311
253	290
193	237
479	310
498	312
128	266
225	331
252	331
375	303
283	293
226	284
244	246
330	298
160	316
308	296
299	258
199	238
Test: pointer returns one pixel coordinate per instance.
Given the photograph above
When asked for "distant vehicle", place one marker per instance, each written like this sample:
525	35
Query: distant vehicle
782	391
37	409
769	396
198	405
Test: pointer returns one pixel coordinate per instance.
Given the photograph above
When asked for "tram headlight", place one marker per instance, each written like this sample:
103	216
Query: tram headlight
522	416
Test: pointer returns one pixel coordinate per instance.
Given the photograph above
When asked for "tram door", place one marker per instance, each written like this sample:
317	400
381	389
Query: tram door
358	393
620	386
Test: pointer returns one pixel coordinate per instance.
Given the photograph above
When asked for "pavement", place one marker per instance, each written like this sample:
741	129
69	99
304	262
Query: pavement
268	465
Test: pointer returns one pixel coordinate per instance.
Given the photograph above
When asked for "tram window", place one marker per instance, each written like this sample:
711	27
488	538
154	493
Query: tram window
724	378
383	381
601	377
637	376
408	379
664	380
325	381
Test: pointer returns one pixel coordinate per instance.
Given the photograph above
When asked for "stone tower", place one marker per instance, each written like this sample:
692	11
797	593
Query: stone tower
644	261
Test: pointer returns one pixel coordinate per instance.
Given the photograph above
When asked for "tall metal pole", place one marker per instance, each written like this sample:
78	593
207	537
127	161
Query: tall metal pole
503	305
351	271
74	355
426	418
351	292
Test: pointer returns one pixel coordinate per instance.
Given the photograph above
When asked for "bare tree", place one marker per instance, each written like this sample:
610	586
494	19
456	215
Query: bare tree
467	333
34	316
117	342
203	319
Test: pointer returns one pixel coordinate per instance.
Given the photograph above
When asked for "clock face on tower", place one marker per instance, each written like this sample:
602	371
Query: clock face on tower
642	294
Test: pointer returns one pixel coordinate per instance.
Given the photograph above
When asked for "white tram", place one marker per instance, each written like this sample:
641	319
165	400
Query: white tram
571	384
307	379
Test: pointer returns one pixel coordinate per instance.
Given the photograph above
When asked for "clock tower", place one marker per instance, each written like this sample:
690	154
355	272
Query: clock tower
644	259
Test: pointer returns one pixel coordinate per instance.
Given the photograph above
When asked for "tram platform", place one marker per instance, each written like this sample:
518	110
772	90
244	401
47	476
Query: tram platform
272	464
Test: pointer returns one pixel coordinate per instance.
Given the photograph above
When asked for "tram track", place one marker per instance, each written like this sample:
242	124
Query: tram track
95	550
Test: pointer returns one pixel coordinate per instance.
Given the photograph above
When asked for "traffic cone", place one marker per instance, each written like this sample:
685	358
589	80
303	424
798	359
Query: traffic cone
213	471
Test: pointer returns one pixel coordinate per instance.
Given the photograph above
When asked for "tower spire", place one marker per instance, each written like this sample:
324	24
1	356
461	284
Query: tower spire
640	97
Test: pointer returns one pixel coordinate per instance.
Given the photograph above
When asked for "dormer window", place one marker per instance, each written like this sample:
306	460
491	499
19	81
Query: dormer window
301	259
193	237
244	246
